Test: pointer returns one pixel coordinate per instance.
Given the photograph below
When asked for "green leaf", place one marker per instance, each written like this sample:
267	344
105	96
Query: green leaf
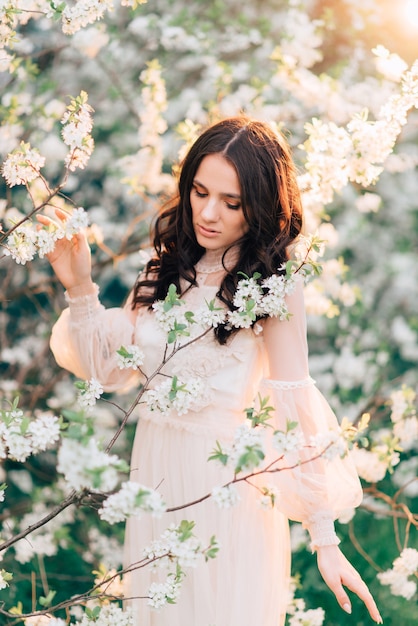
47	600
218	455
185	529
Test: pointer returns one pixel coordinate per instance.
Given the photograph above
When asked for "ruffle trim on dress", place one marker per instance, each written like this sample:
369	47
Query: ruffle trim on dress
288	384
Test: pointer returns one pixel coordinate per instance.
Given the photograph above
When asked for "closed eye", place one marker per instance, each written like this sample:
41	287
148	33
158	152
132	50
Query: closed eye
200	194
234	207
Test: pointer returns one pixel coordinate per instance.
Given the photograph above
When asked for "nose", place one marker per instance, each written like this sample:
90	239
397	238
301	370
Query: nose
210	212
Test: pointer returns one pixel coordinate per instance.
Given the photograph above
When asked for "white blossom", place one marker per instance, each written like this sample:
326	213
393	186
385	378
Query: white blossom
239	320
248	448
225	497
77	221
87	466
130	501
167	319
21	244
89	393
82	13
172	394
44	620
208	317
308	617
130	357
21	436
368	465
247	290
161	593
407	562
270	497
186	551
405	565
368	202
23	165
110	615
44	540
289	441
45	242
329	444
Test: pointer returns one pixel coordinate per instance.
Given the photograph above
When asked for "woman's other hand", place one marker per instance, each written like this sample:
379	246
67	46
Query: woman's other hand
71	260
338	573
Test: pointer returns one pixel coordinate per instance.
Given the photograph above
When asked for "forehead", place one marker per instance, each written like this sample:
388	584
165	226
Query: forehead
217	173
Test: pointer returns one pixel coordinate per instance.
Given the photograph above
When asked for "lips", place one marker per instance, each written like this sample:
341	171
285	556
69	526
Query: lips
206	232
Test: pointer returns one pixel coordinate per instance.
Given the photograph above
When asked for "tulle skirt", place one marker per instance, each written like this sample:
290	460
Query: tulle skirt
247	584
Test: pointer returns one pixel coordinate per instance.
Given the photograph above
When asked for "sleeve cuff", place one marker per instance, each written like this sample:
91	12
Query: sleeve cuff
322	532
84	308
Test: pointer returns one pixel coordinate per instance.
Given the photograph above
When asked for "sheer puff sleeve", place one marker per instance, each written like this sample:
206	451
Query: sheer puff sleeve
312	492
86	337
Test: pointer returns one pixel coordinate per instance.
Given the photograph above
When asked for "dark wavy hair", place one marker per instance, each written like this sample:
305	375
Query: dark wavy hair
270	202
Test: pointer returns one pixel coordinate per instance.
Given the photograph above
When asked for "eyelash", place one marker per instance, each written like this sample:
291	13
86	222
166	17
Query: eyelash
233	207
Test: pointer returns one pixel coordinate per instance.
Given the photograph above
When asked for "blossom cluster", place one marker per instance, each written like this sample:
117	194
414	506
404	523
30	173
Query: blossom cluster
45	540
337	155
253	299
130	357
298	614
404	418
22	436
23	165
44	620
28	239
130	501
87	466
226	496
77	125
143	171
177	548
173	394
159	594
405	567
381	456
89	392
82	13
108	615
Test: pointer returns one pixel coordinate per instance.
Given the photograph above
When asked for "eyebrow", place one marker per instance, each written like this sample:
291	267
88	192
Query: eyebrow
236	196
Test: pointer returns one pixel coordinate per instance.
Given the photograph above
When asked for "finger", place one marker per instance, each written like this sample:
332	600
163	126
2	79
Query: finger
357	585
62	215
340	594
43	219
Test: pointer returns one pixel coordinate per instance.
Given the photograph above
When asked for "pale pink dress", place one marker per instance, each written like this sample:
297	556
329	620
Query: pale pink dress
247	583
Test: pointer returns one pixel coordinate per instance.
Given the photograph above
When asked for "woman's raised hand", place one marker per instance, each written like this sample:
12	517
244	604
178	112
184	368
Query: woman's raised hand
71	260
338	573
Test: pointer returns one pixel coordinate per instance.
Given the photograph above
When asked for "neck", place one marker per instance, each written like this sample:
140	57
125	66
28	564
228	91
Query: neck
211	261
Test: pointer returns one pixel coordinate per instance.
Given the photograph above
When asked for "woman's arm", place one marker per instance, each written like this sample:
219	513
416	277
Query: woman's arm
86	336
315	491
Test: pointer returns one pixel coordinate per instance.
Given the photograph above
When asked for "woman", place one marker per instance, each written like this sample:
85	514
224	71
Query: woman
238	211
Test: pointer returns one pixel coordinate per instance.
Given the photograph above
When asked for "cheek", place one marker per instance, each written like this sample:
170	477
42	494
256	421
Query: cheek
243	226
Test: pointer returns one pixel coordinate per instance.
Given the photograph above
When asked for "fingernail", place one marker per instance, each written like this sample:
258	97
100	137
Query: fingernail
380	619
347	608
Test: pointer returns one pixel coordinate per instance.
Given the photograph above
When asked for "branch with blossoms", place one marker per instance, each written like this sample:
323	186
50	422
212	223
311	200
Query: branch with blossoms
23	166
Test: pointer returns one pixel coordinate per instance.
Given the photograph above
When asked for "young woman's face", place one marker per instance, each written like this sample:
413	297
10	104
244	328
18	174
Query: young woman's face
215	197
